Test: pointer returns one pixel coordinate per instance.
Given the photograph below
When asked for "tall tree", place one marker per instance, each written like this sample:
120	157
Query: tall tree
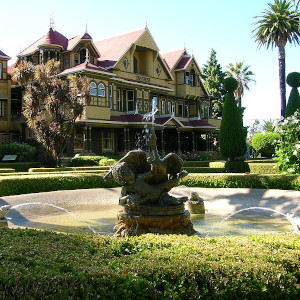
213	81
278	25
51	104
243	76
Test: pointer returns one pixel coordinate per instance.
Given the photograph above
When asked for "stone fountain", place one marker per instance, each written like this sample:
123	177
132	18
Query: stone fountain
147	205
3	212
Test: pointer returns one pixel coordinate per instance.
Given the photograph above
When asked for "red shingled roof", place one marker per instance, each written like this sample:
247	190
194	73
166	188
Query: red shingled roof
52	37
184	62
2	54
197	123
172	58
84	66
112	49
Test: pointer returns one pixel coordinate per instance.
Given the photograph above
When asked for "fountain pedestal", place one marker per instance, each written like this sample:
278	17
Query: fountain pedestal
159	220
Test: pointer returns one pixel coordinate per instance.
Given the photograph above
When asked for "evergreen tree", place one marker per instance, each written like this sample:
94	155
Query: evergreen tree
213	81
293	80
232	138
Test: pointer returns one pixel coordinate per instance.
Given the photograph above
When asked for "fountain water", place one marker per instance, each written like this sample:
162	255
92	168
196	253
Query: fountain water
294	220
57	207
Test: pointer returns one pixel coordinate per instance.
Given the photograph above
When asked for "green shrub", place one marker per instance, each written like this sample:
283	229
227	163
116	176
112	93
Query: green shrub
20	167
217	164
256	181
293	80
288	150
265	143
232	138
93	160
236	166
24	152
47	265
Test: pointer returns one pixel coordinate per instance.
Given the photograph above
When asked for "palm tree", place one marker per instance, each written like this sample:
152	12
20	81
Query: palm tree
242	74
277	26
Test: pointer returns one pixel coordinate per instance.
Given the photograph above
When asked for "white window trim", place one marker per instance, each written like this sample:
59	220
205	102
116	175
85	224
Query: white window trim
101	90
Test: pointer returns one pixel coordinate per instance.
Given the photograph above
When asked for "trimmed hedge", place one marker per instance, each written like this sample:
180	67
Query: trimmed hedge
204	170
195	164
25	184
261	167
21	166
35	183
236	180
264	168
47	265
93	160
7	170
66	169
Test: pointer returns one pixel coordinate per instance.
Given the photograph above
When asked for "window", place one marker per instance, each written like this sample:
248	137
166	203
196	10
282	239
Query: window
204	110
130	100
173	109
83	55
154	103
107	140
119	100
169	107
1	70
101	90
110	93
125	62
192	78
199	80
93	89
163	108
76	58
186	109
180	109
158	71
187	78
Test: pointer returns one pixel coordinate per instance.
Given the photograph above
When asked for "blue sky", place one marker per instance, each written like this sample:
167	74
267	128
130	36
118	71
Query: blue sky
200	25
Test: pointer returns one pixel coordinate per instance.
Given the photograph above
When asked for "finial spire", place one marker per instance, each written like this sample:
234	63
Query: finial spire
86	27
184	48
146	25
51	21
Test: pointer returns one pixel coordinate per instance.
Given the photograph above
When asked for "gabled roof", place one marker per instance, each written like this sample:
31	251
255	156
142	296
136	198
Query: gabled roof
52	37
112	49
172	58
86	67
184	62
74	41
3	55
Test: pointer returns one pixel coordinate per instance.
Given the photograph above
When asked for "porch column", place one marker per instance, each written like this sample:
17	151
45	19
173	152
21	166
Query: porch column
178	140
125	140
90	139
193	141
162	143
85	132
128	140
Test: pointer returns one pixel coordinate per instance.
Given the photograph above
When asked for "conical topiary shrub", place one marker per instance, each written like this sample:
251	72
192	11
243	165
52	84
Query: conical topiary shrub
232	138
293	80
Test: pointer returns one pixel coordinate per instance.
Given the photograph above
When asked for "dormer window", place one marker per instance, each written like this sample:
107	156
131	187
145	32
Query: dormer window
187	78
84	55
158	71
125	62
192	78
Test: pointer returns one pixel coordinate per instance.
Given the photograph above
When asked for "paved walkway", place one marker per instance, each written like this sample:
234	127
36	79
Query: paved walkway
216	199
